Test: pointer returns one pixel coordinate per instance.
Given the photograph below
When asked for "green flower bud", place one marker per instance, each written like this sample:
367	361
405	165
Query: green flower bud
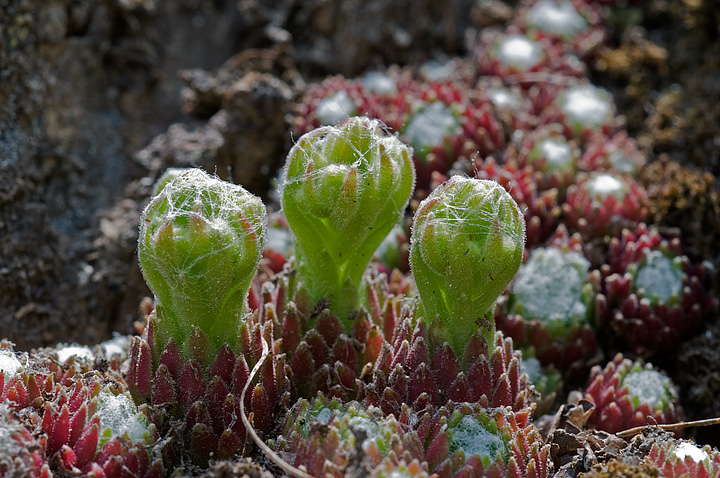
345	189
199	247
467	244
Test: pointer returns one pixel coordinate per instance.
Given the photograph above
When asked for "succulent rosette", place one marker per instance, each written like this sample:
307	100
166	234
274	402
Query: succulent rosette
630	394
205	400
547	382
518	59
74	420
23	454
385	95
604	203
326	358
328	437
100	431
448	125
576	25
676	458
583	110
512	105
406	371
547	152
470	440
344	190
467	243
551	309
619	154
656	295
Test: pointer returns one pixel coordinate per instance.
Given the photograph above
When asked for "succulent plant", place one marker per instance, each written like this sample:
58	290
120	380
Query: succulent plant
325	357
344	190
604	203
553	159
72	419
327	437
467	243
199	247
583	110
516	58
200	244
470	440
385	95
551	309
205	400
629	394
655	294
407	371
23	454
576	26
619	154
546	381
676	458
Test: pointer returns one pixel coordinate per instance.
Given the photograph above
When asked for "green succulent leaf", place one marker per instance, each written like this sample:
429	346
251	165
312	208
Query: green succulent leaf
199	247
344	190
467	244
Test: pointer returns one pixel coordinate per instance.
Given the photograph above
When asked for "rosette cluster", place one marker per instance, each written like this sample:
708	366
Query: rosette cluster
409	372
471	440
629	394
656	296
325	437
68	419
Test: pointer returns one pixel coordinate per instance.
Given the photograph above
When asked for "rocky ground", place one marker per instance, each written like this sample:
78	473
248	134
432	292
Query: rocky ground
98	97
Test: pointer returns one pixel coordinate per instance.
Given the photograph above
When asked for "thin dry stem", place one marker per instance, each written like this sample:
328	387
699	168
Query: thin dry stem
670	426
285	466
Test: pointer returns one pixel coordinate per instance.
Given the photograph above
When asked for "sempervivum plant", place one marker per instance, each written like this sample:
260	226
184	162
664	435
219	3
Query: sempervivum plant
656	295
630	394
83	423
408	372
604	203
583	110
344	190
677	458
449	127
327	437
551	307
547	152
576	26
470	440
199	247
23	454
620	154
385	95
515	57
467	243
